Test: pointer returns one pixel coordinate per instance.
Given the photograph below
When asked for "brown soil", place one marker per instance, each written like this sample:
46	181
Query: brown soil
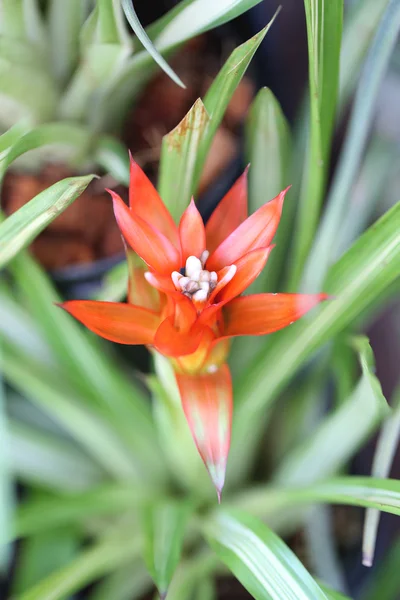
84	232
87	231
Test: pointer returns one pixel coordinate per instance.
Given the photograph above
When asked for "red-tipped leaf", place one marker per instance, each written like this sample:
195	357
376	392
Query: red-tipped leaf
170	341
248	269
192	232
229	214
121	323
257	231
149	243
146	203
261	314
207	403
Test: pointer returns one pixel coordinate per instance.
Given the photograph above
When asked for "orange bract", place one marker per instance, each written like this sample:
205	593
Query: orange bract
198	308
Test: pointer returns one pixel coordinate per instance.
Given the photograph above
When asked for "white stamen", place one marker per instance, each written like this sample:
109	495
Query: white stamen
192	287
204	276
175	276
200	296
203	257
230	274
197	283
212	369
183	282
193	267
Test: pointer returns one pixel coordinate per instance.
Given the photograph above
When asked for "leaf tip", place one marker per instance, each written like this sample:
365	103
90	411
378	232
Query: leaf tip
367	559
217	475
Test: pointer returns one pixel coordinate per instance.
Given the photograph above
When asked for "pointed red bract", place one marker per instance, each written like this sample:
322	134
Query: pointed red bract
149	243
172	342
192	232
260	314
163	283
257	231
248	269
121	323
207	404
229	214
185	313
146	203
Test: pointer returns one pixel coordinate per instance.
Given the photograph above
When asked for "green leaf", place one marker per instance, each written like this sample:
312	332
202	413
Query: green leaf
375	172
42	554
91	432
6	496
384	454
300	409
18	230
8	139
200	16
63	142
261	561
64	22
111	23
95	377
28	92
384	582
321	547
332	594
268	150
221	91
12	19
356	280
164	525
126	583
88	566
35	516
206	590
19	329
360	123
112	155
134	22
35	24
105	51
320	455
178	159
359	29
174	434
189	575
43	459
156	28
268	503
324	33
344	368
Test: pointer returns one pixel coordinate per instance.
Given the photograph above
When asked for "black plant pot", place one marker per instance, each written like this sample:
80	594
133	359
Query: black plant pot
82	281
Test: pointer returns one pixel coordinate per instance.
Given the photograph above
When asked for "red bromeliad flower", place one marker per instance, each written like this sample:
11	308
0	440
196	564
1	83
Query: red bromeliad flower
187	305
